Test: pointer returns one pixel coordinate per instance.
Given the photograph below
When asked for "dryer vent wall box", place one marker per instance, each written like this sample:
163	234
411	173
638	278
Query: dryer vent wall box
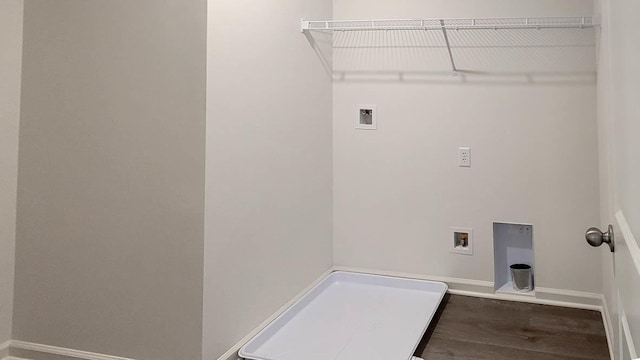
367	117
512	244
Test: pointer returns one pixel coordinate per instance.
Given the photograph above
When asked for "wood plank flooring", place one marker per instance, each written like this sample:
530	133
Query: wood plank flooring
476	328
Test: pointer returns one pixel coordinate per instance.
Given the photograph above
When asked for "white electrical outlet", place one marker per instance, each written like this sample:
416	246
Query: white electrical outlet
464	157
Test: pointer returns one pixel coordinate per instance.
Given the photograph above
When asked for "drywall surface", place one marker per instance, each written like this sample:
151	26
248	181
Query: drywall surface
111	177
268	187
525	104
10	64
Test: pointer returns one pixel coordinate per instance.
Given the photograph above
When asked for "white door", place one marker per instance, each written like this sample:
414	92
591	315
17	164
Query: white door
619	124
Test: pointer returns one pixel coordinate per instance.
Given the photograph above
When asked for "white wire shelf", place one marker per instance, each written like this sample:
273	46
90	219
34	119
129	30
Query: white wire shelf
447	25
571	22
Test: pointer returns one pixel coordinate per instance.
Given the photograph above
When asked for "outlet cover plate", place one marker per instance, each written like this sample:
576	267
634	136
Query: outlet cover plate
464	157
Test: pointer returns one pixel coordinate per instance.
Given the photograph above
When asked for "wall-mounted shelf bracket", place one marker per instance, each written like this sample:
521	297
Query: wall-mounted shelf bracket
446	40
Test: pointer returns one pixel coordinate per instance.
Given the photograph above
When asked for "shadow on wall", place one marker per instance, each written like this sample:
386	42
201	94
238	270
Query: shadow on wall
321	43
501	57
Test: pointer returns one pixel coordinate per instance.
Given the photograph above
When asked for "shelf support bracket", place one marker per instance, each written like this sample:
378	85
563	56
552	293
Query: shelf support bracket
446	40
304	25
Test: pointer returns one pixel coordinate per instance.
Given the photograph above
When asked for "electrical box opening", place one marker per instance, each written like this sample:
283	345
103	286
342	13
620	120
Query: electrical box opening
367	117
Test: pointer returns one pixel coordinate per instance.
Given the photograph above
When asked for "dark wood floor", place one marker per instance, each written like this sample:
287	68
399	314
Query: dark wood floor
476	328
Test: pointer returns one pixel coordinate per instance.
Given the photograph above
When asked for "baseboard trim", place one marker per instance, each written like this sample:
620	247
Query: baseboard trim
4	349
30	349
466	287
232	353
531	300
485	289
569	298
457	286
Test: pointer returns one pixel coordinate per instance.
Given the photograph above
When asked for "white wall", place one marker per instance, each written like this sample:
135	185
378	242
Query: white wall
529	115
10	68
268	187
110	227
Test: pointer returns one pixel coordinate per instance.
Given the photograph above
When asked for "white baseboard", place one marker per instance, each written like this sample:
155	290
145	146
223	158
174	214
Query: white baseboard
467	287
4	350
39	350
457	286
232	353
485	289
